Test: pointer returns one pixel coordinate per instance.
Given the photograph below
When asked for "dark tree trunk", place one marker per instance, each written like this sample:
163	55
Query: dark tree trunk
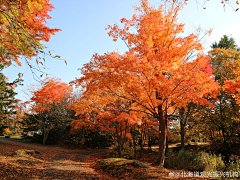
149	143
45	135
135	149
120	153
166	144
182	126
135	135
141	146
162	138
182	134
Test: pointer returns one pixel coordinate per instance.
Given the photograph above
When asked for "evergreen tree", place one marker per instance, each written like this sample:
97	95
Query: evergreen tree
227	43
7	96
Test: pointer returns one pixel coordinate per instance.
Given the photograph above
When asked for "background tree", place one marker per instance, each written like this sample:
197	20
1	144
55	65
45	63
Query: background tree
62	117
154	74
113	117
8	102
227	43
53	92
185	116
223	126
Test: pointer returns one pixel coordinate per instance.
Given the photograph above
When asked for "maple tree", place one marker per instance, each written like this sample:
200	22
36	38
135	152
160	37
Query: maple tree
112	117
47	99
23	28
155	73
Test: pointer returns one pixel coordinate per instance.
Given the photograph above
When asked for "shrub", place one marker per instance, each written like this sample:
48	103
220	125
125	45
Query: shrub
128	152
211	162
181	160
234	164
194	161
94	139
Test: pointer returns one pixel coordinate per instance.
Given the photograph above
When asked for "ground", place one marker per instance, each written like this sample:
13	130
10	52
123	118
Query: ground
53	163
65	163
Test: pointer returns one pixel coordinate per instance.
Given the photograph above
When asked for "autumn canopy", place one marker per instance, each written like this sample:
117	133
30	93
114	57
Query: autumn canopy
157	73
23	26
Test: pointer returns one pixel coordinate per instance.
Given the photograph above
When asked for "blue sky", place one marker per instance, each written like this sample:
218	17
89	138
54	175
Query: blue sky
83	32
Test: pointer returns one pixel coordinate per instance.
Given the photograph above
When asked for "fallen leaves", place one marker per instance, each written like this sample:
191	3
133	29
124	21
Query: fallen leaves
33	165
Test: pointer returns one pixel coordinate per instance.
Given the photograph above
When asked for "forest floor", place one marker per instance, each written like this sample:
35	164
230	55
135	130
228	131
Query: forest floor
51	162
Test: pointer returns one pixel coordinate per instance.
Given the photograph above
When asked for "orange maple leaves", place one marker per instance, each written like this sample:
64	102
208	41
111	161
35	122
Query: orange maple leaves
23	26
52	91
157	61
157	74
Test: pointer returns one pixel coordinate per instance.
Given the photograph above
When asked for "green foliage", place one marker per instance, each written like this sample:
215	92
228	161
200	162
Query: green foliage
7	96
181	160
223	123
226	42
175	135
211	162
1	128
128	152
96	139
201	161
29	123
233	166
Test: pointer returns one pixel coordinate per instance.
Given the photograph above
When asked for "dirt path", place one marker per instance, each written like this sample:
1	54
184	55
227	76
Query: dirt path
54	163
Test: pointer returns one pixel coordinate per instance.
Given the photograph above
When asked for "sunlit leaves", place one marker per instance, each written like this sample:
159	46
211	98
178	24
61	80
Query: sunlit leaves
154	63
53	91
156	74
23	26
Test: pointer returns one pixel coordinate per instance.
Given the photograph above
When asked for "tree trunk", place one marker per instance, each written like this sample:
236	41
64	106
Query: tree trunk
140	142
45	135
150	143
182	134
120	150
166	144
182	126
135	149
162	138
